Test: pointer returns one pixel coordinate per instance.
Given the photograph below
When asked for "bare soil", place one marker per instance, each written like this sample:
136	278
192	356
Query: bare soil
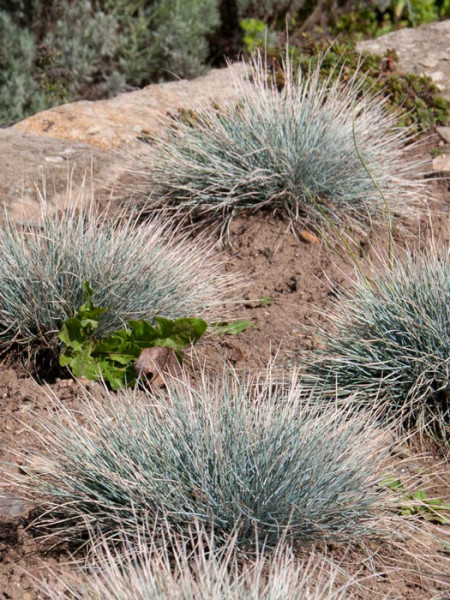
288	282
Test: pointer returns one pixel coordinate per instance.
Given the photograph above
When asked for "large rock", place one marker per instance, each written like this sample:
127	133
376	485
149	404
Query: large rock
421	50
66	142
121	120
34	166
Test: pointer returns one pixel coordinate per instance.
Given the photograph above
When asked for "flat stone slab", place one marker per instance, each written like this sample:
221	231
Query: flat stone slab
119	121
80	138
34	165
422	50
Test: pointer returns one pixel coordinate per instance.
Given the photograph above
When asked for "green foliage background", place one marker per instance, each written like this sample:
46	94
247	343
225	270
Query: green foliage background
55	51
112	359
62	50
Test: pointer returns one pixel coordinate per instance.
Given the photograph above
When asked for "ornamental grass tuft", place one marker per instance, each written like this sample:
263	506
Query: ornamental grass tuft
291	150
137	271
233	454
390	341
177	572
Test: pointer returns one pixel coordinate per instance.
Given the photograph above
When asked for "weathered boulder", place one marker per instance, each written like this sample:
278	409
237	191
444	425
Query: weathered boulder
421	50
118	122
49	148
32	166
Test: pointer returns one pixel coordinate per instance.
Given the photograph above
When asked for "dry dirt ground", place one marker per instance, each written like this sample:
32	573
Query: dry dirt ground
288	282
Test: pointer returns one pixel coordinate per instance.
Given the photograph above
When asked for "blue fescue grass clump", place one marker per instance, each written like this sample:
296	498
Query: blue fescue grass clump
291	150
390	341
233	455
137	271
175	572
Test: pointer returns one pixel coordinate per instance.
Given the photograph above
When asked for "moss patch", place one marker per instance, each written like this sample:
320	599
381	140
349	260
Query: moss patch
415	98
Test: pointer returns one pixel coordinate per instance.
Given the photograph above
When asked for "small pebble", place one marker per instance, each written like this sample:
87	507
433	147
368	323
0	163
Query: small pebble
10	505
307	237
54	159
